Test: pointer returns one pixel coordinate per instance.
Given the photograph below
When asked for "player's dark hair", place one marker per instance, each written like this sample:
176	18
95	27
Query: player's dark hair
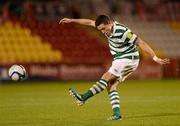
102	19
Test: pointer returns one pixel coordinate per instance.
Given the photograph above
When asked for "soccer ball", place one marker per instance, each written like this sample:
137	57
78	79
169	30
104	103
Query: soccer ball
17	73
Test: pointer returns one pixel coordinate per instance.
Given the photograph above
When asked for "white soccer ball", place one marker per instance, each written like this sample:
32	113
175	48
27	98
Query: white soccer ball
17	73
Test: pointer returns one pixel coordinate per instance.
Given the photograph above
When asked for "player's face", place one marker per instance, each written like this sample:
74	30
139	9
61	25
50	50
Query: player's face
106	29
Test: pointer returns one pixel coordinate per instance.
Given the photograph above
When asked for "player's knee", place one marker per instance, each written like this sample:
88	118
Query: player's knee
105	76
109	77
111	87
108	88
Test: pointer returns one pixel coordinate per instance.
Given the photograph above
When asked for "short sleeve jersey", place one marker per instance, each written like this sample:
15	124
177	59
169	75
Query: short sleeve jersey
122	42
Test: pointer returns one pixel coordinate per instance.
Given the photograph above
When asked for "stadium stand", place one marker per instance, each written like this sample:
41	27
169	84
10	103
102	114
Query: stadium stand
18	45
30	33
160	35
76	43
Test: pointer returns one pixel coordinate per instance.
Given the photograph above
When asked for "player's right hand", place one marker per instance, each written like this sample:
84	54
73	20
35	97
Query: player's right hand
65	20
161	61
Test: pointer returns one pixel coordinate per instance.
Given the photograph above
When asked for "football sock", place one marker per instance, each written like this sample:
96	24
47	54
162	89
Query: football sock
95	89
115	102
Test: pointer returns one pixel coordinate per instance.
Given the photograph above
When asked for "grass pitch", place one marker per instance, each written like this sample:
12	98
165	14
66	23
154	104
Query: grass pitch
143	103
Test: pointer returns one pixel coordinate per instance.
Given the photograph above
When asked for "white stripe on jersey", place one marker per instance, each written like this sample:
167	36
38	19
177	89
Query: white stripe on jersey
119	49
120	27
133	38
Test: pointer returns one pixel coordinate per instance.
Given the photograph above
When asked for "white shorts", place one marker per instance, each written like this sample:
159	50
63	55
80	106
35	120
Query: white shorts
122	68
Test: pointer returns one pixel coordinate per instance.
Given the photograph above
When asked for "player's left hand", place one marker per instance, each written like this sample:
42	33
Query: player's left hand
161	61
65	20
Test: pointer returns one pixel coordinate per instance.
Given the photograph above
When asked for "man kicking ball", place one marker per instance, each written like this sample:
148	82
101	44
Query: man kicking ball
123	47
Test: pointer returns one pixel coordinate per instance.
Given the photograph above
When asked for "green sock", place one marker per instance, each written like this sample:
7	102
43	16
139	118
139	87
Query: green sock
115	102
87	95
116	111
95	89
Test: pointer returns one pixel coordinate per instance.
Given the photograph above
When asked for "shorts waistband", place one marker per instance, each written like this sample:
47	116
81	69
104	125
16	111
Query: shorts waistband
129	57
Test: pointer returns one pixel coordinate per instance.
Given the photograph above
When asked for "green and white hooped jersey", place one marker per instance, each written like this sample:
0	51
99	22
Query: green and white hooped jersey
122	42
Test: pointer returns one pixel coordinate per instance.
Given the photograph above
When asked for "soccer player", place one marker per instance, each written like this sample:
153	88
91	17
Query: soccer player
123	47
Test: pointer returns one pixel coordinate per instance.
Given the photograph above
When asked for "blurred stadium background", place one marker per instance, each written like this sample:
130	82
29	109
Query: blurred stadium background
30	35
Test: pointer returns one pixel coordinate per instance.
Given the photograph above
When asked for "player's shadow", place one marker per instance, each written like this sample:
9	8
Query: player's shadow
152	115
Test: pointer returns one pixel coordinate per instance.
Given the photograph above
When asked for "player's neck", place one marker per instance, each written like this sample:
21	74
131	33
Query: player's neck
112	27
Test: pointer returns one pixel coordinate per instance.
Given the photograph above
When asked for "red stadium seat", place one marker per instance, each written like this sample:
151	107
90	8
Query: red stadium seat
76	42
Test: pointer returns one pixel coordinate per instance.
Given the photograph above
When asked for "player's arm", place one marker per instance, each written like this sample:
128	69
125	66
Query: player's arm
87	22
145	47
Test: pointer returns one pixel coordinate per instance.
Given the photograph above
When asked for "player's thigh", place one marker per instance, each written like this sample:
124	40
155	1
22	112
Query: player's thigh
128	69
109	77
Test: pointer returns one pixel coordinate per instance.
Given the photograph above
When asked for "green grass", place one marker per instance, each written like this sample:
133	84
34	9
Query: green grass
143	103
